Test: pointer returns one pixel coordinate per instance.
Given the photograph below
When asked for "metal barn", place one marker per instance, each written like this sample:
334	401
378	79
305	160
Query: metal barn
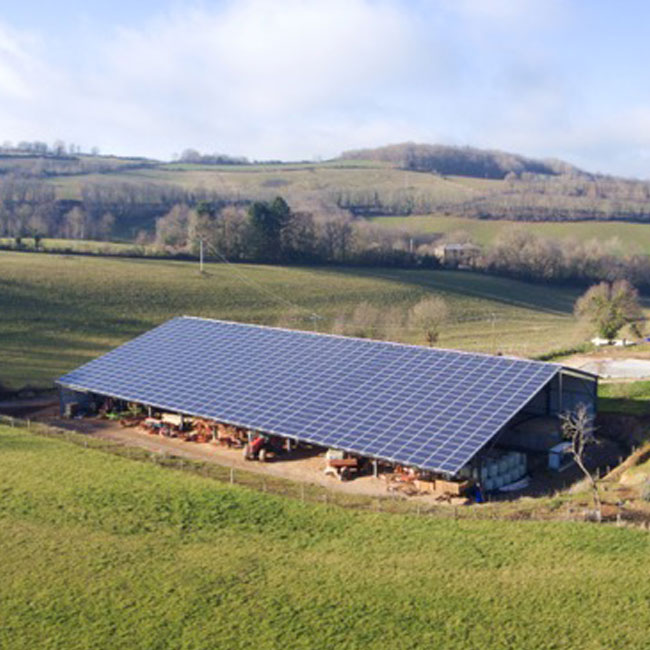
453	414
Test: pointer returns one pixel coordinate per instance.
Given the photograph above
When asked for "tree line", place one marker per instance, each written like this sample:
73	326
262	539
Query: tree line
127	210
521	254
271	232
526	197
458	161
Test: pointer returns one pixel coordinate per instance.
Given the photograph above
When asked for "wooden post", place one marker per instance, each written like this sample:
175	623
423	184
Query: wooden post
375	469
232	475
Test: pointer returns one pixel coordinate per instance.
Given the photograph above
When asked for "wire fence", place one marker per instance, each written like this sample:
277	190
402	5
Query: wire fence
548	509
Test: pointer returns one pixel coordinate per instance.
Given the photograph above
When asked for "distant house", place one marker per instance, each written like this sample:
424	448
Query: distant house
462	255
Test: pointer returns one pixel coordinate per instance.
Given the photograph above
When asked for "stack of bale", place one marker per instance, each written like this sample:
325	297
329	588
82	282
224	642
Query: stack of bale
496	469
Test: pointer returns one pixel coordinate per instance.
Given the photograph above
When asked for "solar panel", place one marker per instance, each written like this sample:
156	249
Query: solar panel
430	408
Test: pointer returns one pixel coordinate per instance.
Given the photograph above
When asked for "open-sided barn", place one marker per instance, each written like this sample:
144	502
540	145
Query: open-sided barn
432	409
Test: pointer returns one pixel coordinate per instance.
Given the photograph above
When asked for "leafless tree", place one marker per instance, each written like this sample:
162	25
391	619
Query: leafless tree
610	306
172	229
428	316
578	429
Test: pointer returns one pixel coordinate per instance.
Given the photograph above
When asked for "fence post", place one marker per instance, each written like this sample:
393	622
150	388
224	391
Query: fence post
232	476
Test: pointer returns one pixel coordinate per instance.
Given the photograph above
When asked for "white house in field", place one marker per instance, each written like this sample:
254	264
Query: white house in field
457	254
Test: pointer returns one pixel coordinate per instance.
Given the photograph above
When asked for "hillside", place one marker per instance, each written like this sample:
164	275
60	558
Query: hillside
38	192
461	161
100	551
60	311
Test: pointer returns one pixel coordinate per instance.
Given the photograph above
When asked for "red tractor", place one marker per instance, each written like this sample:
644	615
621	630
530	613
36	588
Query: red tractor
261	447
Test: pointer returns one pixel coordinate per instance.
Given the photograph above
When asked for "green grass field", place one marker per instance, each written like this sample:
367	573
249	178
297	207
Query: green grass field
631	398
314	185
104	552
625	238
58	311
81	246
294	181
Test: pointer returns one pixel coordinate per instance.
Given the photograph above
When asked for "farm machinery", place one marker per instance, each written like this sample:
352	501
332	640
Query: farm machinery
262	447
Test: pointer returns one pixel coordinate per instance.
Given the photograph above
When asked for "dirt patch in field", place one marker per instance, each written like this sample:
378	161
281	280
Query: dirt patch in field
303	465
611	367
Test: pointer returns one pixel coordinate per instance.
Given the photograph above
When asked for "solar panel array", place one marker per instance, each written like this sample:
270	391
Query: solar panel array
429	408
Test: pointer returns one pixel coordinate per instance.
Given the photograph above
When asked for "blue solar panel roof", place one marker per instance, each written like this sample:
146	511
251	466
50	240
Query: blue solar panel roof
430	408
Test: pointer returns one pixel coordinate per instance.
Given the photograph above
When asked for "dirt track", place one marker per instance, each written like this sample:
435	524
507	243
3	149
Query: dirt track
611	367
300	466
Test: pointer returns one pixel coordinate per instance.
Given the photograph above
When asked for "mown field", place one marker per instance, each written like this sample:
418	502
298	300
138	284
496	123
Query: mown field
104	552
58	311
295	182
80	245
625	238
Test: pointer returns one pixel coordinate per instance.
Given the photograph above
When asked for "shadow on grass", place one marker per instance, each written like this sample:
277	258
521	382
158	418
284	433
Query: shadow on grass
624	405
631	398
555	300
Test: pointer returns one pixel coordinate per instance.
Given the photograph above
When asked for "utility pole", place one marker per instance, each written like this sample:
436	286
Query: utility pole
494	332
201	256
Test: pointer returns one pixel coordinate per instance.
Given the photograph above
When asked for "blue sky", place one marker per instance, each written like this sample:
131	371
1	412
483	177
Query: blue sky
298	79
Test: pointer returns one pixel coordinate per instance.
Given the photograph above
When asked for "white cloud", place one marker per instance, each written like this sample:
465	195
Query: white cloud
236	77
17	64
298	78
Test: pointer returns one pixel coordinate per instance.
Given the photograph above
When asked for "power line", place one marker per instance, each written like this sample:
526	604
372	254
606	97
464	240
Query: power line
262	289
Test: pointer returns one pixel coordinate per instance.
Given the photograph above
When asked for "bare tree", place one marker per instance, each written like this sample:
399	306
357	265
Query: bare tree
172	229
104	226
578	429
365	320
428	316
75	223
610	306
